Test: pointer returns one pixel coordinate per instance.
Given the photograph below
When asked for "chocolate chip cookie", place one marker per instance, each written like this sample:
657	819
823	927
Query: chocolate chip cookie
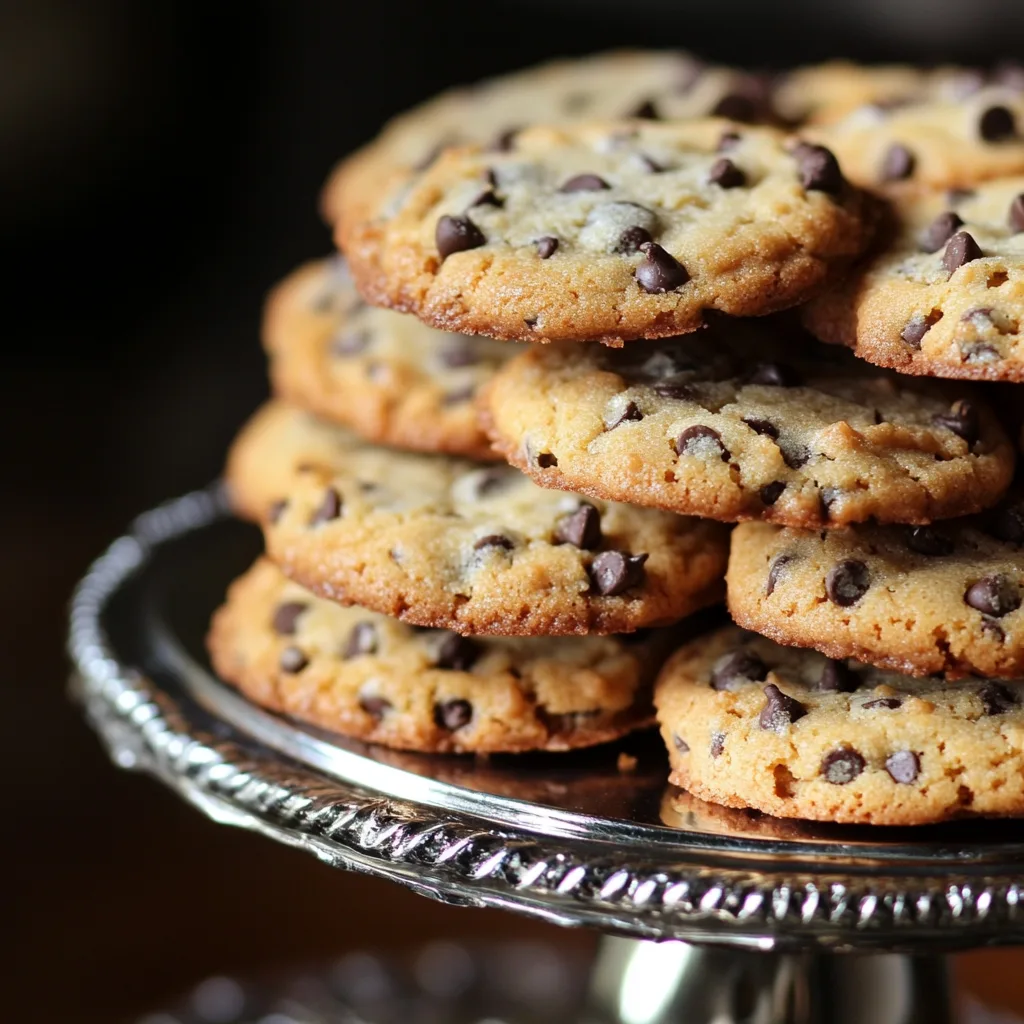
944	598
610	231
447	543
945	297
649	85
374	678
748	420
937	142
388	377
750	724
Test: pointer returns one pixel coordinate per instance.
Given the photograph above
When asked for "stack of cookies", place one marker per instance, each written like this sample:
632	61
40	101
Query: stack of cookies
480	546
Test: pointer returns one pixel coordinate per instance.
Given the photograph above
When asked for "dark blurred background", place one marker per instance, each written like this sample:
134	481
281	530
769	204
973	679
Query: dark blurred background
159	167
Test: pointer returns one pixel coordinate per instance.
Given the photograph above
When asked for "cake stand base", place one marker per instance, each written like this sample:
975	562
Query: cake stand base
639	982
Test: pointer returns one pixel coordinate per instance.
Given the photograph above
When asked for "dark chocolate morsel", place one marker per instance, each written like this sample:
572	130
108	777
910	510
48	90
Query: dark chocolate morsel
903	766
660	271
779	710
842	766
581	528
732	671
613	572
453	714
286	617
456	234
293	660
328	509
847	582
361	640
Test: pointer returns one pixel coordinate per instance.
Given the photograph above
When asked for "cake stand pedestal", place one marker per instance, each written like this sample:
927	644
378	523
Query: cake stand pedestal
754	920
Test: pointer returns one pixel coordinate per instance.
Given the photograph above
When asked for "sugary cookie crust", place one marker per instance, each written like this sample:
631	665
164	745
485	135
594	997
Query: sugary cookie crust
609	231
919	600
743	424
946	296
442	542
388	377
666	84
750	724
367	676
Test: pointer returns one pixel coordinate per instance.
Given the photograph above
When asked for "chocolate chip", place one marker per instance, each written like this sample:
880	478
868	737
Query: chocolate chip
940	231
584	183
733	671
794	455
780	710
350	343
1016	215
680	744
491	482
819	169
677	389
613	572
293	660
996	699
717	744
842	766
897	164
847	582
456	234
903	766
770	493
631	239
728	142
505	140
329	508
997	123
837	677
913	334
374	706
726	174
995	595
701	441
457	653
960	250
453	714
630	413
462	352
827	497
962	419
1007	524
775	571
487	198
648	164
776	375
546	246
958	195
660	271
286	617
276	510
494	540
888	703
545	460
645	110
762	427
926	540
736	107
581	528
361	640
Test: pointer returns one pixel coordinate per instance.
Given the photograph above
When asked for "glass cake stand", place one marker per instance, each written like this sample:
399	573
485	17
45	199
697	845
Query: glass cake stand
756	920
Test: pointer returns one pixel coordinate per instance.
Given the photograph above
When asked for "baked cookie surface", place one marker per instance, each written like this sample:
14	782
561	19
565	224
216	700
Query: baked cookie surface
945	297
388	377
938	140
609	231
447	543
745	422
627	83
377	679
748	723
921	600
